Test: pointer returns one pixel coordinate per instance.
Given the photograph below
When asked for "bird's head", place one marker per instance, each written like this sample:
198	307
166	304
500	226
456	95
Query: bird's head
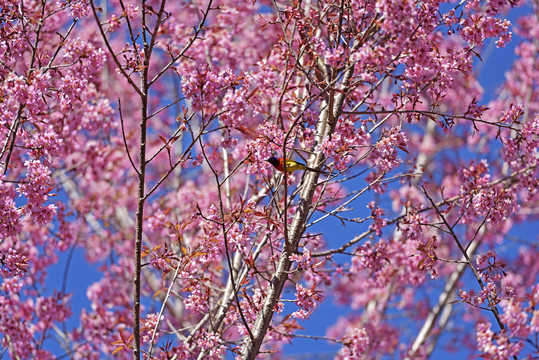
273	161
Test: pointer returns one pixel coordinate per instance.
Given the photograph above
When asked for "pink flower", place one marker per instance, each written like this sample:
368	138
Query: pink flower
307	300
497	346
515	318
384	155
379	222
10	214
36	189
355	345
212	343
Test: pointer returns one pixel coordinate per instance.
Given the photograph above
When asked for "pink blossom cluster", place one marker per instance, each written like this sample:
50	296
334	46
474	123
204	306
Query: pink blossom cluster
411	225
520	323
355	345
384	156
10	214
489	26
306	300
428	256
480	199
360	337
521	151
345	142
36	188
496	346
206	84
379	222
490	267
211	344
13	264
30	92
79	8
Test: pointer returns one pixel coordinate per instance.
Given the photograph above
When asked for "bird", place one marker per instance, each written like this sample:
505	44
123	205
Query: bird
291	165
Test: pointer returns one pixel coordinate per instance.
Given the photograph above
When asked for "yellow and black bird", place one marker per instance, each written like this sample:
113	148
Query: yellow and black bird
291	165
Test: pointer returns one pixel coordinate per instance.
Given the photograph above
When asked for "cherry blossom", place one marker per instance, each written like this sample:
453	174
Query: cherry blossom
134	141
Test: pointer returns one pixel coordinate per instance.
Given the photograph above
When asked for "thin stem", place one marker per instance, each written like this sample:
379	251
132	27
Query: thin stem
124	136
492	305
